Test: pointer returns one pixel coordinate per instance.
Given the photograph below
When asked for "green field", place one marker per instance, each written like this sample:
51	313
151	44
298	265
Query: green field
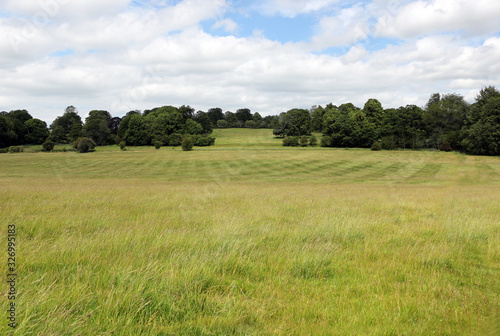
250	238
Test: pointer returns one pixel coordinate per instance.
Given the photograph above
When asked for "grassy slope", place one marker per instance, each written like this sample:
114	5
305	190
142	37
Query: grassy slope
249	238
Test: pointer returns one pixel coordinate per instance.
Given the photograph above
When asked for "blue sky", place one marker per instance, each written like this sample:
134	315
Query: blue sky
269	56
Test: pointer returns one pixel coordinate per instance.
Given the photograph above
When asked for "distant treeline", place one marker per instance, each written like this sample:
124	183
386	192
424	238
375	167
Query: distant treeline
447	122
166	124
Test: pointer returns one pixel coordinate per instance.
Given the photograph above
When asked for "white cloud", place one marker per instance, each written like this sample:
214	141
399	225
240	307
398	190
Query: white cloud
348	27
292	8
425	17
227	24
145	58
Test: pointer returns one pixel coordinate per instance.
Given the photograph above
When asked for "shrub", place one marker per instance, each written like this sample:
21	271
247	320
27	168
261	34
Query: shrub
158	144
48	145
445	146
187	143
16	149
303	141
222	123
313	141
4	150
291	141
175	139
376	146
122	145
84	145
204	141
326	141
389	143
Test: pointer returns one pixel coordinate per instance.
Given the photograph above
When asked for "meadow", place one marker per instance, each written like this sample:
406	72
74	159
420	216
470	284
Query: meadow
250	238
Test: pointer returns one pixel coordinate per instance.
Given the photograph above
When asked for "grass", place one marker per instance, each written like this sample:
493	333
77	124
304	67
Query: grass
249	238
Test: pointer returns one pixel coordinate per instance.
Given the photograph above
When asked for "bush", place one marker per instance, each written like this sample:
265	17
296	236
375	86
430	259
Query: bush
303	141
204	141
4	150
313	141
84	145
187	143
158	144
48	145
445	146
326	141
16	149
122	145
389	143
291	141
222	123
175	139
376	146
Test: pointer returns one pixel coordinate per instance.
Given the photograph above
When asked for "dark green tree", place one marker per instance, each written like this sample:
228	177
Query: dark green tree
317	118
137	133
36	131
243	115
203	119
215	114
71	123
8	134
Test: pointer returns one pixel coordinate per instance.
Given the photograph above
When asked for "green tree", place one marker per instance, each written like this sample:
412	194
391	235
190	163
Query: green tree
137	133
303	141
295	122
71	123
48	145
97	129
84	145
36	131
192	127
250	124
187	143
243	115
482	130
203	119
8	135
313	141
317	118
222	124
215	114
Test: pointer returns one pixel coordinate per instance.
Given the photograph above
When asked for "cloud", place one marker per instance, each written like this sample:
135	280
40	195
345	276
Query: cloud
127	57
426	17
292	8
346	28
227	24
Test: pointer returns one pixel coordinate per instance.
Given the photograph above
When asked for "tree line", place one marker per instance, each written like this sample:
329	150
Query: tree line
447	122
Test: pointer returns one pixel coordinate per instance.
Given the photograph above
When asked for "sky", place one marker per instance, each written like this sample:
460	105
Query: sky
268	56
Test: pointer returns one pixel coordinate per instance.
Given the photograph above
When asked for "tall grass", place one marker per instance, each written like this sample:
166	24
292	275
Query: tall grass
254	242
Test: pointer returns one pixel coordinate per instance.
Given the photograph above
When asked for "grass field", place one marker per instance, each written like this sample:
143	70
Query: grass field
250	238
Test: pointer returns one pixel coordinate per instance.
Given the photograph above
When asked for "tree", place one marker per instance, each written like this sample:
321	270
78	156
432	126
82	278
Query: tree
257	118
36	131
192	127
243	115
443	118
215	114
374	113
187	112
295	122
203	119
48	146
137	133
114	124
313	141
347	126
303	141
250	124
96	129
71	124
317	118
222	124
8	135
84	145
482	131
19	117
187	143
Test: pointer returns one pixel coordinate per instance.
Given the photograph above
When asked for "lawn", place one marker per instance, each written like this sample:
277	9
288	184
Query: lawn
250	238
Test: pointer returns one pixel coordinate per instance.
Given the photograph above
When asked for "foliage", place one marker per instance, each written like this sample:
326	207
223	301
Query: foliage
348	127
192	127
36	131
295	122
69	126
187	143
326	141
303	141
84	145
222	124
204	141
376	146
291	141
122	145
16	149
175	139
158	144
48	145
482	134
250	124
313	141
203	119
